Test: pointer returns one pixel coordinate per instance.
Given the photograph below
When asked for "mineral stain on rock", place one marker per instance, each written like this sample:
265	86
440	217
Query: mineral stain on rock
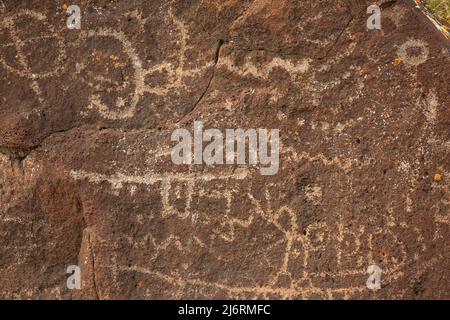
86	176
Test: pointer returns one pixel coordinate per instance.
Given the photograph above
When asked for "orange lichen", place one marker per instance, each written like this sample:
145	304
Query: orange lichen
398	61
95	55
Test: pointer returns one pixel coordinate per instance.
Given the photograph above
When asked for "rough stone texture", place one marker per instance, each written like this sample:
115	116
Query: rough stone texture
86	176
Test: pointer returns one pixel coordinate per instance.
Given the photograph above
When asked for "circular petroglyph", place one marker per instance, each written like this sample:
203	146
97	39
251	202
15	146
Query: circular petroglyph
101	80
22	45
413	52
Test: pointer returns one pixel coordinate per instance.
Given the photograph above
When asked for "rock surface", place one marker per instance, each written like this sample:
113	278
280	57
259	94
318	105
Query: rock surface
86	176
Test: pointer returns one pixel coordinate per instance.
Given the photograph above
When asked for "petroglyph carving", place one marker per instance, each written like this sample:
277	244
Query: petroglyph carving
299	248
130	91
249	68
123	107
353	188
21	66
413	59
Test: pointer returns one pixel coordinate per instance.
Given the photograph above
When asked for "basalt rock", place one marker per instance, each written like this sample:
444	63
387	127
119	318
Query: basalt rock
87	179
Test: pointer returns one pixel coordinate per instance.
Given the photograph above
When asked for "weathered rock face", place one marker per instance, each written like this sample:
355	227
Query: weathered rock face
86	176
